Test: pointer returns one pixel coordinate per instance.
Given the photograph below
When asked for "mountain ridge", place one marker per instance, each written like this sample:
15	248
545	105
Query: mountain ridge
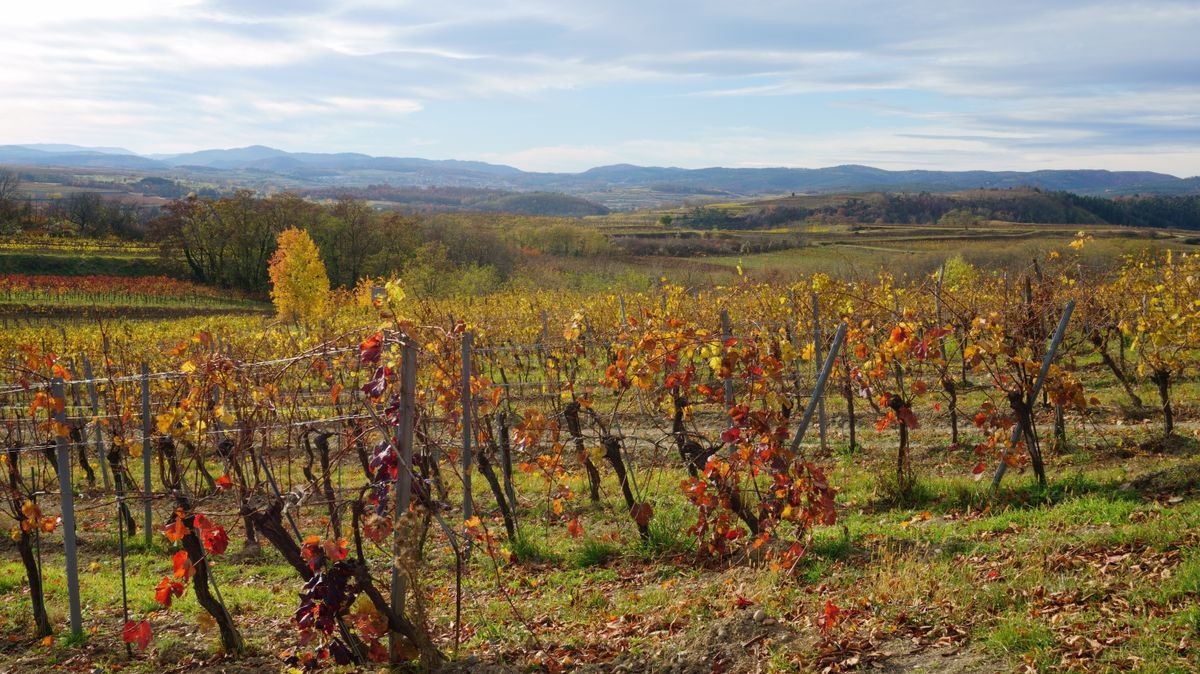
616	185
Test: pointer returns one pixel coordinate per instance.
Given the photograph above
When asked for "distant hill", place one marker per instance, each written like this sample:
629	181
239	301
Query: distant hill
85	158
616	186
1026	205
435	199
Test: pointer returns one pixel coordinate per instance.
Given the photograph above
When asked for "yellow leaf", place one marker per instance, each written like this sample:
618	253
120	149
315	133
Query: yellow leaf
597	454
206	621
188	367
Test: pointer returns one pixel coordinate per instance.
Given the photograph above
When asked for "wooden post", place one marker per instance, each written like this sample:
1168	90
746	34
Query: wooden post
147	424
67	499
98	433
816	310
404	448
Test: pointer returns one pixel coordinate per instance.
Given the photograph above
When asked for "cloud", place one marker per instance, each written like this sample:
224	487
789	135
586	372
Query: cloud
545	83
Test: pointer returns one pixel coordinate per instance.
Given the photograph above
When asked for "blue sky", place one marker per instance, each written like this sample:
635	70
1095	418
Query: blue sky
563	86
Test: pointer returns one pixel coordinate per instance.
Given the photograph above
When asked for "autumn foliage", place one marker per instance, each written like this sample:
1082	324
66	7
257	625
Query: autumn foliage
299	284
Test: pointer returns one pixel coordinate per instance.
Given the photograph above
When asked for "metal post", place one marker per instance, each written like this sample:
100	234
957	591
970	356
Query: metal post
816	310
98	433
147	424
67	499
819	387
1037	387
624	321
726	335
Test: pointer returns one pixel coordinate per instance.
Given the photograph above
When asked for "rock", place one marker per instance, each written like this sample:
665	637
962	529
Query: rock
760	615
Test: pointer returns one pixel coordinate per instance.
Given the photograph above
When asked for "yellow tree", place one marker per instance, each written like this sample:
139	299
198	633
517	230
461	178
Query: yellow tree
299	284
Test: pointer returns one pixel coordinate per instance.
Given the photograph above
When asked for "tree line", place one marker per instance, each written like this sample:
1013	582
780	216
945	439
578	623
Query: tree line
1031	206
228	242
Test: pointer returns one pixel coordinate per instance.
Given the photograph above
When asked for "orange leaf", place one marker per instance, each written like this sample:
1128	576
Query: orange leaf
176	530
166	589
183	565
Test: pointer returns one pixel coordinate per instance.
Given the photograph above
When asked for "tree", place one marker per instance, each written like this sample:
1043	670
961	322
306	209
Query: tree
227	242
9	182
348	234
299	284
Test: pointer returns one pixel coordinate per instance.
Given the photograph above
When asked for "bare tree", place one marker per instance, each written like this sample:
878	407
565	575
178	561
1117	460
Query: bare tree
9	182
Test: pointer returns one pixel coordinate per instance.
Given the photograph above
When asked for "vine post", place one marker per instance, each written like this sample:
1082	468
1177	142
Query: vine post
147	424
404	450
98	435
468	505
819	387
67	497
816	310
1037	387
726	336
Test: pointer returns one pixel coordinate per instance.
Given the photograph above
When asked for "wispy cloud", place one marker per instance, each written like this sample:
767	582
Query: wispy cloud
552	85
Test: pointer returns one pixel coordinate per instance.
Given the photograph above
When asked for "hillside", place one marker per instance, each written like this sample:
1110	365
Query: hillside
1020	205
615	186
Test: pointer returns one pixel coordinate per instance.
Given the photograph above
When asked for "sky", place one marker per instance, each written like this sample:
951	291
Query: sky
565	85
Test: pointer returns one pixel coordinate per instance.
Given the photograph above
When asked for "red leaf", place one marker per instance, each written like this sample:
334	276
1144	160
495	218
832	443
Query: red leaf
143	634
369	350
642	512
215	539
224	482
978	470
742	602
183	566
574	528
136	633
166	588
829	616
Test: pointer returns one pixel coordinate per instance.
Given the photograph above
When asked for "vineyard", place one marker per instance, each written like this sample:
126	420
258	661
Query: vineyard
32	296
973	471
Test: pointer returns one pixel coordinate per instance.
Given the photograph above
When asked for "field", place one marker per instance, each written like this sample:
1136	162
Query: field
712	543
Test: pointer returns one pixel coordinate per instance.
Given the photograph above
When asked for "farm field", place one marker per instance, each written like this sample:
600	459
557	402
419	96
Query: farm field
640	496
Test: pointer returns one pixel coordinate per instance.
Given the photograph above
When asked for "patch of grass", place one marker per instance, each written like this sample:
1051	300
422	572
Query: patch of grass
527	549
8	583
895	493
1184	582
668	534
1020	635
594	552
